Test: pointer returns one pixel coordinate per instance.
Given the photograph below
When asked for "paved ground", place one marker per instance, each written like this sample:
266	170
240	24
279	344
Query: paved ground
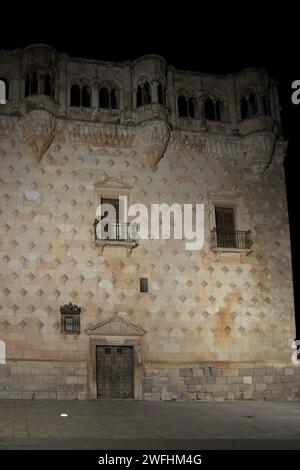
26	424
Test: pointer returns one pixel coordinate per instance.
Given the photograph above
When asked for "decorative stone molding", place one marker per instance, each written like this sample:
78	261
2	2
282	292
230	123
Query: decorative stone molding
38	132
252	152
99	134
151	140
70	309
116	326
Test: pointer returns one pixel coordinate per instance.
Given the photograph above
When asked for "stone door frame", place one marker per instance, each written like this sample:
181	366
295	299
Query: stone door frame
115	341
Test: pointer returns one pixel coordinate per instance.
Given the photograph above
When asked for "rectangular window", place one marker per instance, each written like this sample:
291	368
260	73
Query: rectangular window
144	287
70	323
115	203
225	227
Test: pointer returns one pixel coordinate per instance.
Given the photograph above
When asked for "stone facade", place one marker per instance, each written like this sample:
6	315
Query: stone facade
217	323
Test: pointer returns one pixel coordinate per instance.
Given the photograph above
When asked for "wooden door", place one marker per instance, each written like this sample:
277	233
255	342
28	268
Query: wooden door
114	371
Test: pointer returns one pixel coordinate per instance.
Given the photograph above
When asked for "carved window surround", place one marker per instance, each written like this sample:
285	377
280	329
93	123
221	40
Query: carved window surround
111	188
230	199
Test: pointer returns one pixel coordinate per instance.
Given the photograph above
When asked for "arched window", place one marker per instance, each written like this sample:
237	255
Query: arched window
213	109
103	98
182	106
85	97
113	99
75	95
191	108
146	93
143	94
253	105
209	109
161	94
108	97
80	96
34	84
244	108
186	106
6	82
249	106
31	84
266	106
49	88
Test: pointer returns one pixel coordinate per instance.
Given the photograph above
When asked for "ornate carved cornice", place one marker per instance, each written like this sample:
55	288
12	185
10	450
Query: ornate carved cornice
70	309
97	134
151	139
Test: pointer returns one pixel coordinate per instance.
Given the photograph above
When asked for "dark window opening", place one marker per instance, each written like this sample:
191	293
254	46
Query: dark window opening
85	97
144	287
244	108
75	95
209	110
161	94
103	98
186	106
249	106
213	110
113	99
266	106
115	204
108	98
139	96
146	93
143	94
49	90
191	108
182	106
253	105
225	227
31	84
34	84
80	96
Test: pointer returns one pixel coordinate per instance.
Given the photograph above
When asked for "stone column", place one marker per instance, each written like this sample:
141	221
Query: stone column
260	104
201	105
170	91
154	91
95	101
225	112
127	95
63	91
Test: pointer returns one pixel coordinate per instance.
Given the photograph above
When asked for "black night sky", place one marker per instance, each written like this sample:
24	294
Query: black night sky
190	37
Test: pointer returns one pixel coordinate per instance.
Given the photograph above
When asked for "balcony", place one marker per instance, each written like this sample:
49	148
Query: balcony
232	241
118	234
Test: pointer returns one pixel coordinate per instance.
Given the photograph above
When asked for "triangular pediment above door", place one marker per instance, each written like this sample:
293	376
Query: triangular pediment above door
116	326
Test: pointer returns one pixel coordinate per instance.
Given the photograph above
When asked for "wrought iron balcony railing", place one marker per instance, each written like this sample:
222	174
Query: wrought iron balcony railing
121	232
231	239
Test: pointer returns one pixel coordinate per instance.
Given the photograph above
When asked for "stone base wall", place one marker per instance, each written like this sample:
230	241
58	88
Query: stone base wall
68	380
43	380
222	383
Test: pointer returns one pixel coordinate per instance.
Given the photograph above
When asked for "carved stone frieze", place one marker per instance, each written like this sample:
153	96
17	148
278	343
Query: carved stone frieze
38	132
151	140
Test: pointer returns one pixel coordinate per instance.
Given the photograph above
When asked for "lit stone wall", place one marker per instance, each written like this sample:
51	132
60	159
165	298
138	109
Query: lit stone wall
214	326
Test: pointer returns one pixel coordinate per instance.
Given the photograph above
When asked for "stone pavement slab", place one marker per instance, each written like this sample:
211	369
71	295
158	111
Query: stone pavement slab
32	424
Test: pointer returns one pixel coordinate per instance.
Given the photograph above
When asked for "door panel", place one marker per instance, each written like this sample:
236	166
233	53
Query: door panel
114	371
